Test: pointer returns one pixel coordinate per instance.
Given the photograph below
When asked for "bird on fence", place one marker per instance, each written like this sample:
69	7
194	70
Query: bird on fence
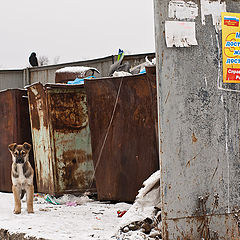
33	60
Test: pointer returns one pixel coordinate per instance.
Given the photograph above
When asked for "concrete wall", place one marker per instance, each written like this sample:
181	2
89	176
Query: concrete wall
199	132
46	74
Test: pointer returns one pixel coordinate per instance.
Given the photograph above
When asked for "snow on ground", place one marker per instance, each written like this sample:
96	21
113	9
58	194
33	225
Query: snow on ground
147	200
143	219
89	220
84	219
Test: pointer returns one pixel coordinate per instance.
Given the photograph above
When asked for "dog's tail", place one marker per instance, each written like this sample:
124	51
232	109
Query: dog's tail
23	193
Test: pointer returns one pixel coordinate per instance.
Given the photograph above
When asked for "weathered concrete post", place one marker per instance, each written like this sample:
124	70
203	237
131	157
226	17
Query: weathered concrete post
198	119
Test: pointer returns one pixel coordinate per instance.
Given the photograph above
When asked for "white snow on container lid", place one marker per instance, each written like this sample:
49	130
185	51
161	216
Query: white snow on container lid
80	69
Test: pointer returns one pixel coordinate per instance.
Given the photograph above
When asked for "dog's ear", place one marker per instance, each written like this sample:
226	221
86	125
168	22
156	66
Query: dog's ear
27	146
12	147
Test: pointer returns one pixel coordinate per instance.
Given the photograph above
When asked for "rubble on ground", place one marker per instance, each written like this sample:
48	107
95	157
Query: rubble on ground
143	219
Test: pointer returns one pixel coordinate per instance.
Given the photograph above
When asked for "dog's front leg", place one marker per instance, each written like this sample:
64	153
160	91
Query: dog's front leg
17	201
30	194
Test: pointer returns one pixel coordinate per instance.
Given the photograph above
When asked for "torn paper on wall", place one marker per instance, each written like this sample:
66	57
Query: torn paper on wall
180	34
179	9
214	8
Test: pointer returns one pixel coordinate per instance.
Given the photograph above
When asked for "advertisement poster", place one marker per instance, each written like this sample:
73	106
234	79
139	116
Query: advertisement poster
231	47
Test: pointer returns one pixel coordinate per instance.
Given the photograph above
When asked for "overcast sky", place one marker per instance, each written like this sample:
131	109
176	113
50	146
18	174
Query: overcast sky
74	30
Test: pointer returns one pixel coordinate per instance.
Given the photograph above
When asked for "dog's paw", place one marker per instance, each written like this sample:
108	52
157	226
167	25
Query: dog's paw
30	211
17	211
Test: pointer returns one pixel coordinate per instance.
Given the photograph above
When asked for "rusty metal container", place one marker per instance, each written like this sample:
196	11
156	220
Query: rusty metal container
63	75
123	123
14	127
61	138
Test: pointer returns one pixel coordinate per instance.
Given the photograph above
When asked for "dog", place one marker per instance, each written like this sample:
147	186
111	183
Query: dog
22	176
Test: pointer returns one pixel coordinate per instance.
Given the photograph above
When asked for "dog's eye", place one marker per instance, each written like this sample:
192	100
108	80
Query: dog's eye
16	153
23	152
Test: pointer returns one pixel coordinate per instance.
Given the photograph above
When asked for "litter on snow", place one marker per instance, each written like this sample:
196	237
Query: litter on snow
73	217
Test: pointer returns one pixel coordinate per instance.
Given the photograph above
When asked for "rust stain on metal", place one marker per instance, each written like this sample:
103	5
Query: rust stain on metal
34	111
37	100
69	111
206	219
205	222
14	127
165	226
195	156
69	170
194	139
135	113
61	138
167	97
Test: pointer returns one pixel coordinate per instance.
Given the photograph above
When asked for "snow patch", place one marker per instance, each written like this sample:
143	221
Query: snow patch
79	69
87	221
147	199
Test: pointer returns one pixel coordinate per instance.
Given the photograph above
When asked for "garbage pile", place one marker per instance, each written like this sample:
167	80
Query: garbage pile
119	69
77	74
66	199
143	219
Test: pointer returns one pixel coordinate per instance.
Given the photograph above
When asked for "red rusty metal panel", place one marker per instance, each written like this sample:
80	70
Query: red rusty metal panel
14	127
61	137
64	77
130	153
203	227
68	114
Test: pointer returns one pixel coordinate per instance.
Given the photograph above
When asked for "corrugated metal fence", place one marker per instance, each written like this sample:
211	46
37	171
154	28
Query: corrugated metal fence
46	74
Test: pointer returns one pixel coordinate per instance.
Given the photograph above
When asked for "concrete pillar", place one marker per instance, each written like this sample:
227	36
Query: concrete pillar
199	130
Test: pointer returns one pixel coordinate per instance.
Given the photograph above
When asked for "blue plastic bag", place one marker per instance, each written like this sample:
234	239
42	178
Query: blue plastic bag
80	80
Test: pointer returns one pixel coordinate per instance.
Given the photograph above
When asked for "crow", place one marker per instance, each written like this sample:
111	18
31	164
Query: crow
33	60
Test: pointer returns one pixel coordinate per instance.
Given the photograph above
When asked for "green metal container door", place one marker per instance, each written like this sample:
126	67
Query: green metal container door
61	138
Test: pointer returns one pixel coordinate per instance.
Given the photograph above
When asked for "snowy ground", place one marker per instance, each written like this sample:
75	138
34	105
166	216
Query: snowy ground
89	220
81	218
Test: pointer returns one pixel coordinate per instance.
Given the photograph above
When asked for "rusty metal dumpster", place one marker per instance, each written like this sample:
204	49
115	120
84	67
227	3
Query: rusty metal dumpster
123	123
14	127
61	138
63	75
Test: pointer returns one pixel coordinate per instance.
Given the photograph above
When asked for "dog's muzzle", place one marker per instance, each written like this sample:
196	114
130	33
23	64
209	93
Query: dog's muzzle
19	160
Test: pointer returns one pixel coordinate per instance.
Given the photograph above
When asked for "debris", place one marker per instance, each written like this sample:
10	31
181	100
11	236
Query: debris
121	74
51	199
121	213
69	198
71	204
144	217
80	80
47	197
44	209
141	67
118	66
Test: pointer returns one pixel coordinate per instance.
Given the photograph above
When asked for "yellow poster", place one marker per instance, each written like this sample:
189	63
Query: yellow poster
231	47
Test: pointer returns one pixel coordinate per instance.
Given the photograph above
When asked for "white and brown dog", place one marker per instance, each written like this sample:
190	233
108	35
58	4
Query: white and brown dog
22	176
